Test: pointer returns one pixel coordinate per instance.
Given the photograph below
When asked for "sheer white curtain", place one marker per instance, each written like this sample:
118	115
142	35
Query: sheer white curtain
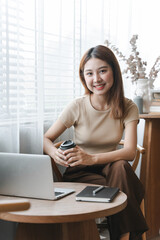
128	17
21	106
41	43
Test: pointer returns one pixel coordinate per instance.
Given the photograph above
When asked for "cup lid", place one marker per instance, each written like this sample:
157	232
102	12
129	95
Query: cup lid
67	144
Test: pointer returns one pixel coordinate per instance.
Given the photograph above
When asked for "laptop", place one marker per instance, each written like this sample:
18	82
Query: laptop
29	175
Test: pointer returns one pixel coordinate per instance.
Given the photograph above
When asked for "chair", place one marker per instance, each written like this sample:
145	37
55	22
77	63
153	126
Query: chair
140	150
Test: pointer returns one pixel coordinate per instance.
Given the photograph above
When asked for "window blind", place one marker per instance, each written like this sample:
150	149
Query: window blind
11	64
24	55
62	52
41	44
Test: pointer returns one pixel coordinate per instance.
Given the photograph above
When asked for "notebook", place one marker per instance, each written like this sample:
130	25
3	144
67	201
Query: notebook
29	175
103	194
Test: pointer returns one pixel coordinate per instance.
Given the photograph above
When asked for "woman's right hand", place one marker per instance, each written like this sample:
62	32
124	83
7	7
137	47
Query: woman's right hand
60	158
49	138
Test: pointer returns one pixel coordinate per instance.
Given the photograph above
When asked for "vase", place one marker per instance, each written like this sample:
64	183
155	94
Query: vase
140	89
139	102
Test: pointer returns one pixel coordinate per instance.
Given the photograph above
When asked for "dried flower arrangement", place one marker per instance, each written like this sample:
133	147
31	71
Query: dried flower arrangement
154	71
135	66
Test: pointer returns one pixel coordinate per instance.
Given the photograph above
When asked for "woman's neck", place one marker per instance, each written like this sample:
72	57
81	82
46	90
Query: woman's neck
99	102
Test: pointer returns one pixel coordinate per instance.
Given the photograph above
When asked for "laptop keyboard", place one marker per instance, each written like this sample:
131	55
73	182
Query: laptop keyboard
58	193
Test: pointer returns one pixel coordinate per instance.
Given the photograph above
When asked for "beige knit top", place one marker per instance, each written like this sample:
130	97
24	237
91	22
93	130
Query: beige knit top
95	131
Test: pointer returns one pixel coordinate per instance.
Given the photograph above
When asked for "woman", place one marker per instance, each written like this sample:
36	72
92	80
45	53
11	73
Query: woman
100	118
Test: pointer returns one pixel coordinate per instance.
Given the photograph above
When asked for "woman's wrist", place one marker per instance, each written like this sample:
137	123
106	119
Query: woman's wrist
94	159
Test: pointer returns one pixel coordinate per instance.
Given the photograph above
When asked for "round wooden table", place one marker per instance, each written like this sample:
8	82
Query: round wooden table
63	219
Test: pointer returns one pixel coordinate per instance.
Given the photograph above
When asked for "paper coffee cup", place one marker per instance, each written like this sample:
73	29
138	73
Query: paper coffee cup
67	145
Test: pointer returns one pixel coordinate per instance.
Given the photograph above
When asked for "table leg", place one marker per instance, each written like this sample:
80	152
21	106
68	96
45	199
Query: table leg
150	175
86	230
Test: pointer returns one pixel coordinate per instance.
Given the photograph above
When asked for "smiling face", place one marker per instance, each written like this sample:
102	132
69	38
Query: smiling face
98	76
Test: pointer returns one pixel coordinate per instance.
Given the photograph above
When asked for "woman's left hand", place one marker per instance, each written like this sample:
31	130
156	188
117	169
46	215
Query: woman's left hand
77	156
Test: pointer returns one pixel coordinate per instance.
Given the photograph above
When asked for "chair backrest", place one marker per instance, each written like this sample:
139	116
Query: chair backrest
140	150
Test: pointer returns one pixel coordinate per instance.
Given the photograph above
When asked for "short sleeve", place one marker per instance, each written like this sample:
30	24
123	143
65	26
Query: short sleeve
70	114
131	112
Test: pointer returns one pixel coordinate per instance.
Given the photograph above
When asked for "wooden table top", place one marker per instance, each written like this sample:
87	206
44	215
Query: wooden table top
66	209
149	115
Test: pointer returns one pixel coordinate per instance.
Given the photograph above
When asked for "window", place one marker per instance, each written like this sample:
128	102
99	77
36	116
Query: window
41	43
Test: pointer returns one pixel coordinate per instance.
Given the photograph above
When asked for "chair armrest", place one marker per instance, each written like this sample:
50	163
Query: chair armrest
139	148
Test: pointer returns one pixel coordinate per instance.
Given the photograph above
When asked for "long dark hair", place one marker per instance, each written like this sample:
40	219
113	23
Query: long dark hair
115	96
